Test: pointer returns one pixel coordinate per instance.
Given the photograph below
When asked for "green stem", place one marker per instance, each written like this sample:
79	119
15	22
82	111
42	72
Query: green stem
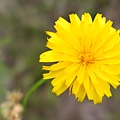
31	90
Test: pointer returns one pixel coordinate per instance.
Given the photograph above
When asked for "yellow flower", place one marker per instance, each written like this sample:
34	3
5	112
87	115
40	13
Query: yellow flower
86	57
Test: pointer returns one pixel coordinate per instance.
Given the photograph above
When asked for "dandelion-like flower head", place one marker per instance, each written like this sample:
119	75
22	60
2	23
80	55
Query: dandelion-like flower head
86	57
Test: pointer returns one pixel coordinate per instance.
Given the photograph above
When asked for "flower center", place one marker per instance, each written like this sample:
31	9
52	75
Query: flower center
86	58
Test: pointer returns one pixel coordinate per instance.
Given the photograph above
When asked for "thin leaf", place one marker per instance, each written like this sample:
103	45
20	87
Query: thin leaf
31	90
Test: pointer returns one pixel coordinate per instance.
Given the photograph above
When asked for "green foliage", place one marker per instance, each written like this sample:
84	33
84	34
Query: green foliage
4	41
3	69
22	26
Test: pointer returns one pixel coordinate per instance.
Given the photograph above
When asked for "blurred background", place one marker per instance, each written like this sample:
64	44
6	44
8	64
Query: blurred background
22	39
